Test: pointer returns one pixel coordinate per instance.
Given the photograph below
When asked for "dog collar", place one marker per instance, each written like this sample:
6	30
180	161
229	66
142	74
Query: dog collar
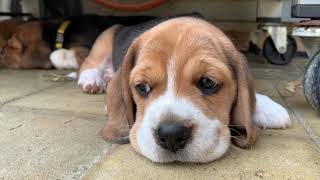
60	34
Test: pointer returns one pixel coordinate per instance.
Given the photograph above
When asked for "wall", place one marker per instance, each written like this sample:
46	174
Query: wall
30	6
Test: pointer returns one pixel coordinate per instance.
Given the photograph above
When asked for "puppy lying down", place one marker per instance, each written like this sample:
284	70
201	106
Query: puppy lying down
179	90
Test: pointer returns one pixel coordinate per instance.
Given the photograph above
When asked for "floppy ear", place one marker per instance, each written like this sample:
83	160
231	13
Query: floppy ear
120	105
243	130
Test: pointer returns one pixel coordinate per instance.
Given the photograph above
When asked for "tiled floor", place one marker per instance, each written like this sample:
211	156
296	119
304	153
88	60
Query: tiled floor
50	130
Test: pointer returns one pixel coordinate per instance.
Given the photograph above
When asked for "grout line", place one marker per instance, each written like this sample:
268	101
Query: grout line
314	138
28	94
86	115
82	171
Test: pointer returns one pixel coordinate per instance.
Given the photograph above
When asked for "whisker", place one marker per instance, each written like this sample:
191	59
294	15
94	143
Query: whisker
235	137
233	125
237	148
244	150
234	130
119	140
130	126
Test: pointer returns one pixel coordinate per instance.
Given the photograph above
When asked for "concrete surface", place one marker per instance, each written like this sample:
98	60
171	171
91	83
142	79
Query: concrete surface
50	130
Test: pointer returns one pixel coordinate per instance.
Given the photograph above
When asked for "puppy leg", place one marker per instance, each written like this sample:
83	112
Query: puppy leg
80	53
269	114
68	58
96	71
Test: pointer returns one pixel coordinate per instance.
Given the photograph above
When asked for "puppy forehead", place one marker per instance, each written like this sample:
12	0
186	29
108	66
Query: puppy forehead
182	40
180	32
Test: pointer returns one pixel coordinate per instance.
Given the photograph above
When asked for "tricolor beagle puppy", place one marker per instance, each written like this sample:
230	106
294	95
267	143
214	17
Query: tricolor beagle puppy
7	29
179	90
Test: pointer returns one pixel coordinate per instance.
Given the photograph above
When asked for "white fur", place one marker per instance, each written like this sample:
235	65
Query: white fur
92	77
270	114
206	144
72	75
64	59
99	76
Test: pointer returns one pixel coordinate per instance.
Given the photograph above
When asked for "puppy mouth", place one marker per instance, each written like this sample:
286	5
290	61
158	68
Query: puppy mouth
192	153
177	130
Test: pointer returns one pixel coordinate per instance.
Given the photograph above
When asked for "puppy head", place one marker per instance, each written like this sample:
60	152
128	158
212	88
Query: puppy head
186	92
26	48
7	28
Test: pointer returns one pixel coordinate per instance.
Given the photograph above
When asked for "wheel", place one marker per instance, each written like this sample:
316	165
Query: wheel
274	57
254	49
311	82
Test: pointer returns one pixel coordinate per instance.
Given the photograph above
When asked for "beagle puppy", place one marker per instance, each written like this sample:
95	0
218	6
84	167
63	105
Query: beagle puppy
7	28
179	90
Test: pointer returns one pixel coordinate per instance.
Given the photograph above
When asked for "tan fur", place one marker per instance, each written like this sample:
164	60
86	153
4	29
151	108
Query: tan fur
7	29
81	53
119	100
26	48
242	114
100	57
195	48
101	50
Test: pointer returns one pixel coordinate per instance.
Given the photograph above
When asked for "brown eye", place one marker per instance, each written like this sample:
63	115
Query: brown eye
143	89
207	86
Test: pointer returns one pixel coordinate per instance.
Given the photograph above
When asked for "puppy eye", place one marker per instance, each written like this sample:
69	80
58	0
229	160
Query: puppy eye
207	86
143	89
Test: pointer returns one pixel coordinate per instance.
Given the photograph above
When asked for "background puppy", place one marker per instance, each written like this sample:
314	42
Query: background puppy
182	92
7	29
32	42
26	48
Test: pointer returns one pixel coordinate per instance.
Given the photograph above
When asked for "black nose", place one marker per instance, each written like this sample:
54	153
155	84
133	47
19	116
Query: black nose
172	135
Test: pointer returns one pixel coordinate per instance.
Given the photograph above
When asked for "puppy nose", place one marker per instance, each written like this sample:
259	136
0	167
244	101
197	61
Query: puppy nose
172	135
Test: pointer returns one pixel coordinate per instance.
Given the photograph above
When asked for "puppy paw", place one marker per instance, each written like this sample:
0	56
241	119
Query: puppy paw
91	81
64	59
270	114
